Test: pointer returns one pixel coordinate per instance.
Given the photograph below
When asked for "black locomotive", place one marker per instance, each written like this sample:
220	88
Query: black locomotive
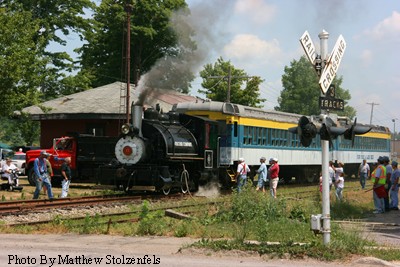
160	152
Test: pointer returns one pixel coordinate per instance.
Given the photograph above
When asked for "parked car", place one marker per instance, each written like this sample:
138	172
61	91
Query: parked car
19	160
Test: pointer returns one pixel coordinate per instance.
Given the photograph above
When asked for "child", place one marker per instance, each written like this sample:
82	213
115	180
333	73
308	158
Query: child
339	187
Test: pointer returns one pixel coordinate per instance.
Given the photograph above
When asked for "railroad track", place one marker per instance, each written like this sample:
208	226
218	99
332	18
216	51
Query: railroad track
115	217
25	206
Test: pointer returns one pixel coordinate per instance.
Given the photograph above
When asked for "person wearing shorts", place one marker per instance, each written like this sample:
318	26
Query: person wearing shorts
273	172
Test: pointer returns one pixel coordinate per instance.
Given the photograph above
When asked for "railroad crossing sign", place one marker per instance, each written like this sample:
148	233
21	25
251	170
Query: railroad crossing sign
332	65
308	47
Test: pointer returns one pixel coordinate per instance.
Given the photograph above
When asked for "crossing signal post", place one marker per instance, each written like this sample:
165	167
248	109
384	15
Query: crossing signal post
326	69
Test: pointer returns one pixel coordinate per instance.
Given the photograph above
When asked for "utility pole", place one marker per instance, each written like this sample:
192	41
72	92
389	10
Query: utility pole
372	110
128	9
229	78
394	139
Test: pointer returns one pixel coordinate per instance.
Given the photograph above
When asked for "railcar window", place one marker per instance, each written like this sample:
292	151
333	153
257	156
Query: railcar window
364	143
263	136
246	135
279	137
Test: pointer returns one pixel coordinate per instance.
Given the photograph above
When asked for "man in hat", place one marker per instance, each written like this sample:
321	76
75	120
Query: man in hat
241	174
394	189
378	179
42	177
262	175
273	173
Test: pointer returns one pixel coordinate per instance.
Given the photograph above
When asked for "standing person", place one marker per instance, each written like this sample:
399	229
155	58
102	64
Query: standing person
378	179
388	185
67	175
49	172
331	172
394	190
42	177
262	175
273	173
338	172
363	173
339	187
241	174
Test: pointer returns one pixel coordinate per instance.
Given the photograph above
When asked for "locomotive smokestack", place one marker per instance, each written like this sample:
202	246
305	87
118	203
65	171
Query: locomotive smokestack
137	115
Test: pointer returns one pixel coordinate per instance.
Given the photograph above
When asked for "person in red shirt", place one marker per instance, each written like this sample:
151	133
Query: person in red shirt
273	174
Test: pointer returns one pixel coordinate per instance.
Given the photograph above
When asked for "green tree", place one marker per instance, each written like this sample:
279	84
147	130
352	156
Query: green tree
20	71
244	90
54	21
301	90
152	38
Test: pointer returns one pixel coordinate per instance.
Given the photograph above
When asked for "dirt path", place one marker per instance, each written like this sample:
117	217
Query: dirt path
85	250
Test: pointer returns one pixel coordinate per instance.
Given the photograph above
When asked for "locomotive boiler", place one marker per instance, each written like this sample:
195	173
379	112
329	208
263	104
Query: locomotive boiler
160	152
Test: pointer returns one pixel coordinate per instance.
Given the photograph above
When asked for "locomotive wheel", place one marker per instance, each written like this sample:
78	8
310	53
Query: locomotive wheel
185	182
166	191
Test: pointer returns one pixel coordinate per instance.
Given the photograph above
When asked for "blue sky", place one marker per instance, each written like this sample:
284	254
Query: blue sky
262	37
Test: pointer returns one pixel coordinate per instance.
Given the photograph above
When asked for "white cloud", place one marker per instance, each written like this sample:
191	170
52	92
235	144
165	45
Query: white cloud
250	48
366	57
389	28
257	10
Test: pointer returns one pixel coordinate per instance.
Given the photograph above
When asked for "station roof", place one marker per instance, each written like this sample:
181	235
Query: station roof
103	102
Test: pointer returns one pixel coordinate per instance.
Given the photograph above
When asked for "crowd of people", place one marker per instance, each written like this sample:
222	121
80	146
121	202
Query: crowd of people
384	178
43	172
265	175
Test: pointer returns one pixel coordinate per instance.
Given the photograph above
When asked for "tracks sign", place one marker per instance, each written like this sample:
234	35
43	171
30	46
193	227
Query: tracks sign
332	65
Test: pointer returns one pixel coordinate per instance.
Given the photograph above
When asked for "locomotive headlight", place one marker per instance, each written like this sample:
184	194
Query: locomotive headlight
125	128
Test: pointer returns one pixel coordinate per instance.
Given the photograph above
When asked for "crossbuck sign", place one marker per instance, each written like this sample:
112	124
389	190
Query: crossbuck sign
332	65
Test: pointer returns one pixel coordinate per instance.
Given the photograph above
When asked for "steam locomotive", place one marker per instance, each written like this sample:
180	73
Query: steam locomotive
158	152
198	142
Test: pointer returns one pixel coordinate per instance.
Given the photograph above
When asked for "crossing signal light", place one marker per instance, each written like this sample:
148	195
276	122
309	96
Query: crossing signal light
306	131
354	130
329	131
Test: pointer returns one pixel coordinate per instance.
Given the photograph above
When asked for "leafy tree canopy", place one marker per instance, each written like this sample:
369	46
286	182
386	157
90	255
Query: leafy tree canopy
301	90
152	38
244	90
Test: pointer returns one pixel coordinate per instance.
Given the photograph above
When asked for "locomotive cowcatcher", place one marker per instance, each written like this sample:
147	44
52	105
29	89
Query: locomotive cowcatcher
160	152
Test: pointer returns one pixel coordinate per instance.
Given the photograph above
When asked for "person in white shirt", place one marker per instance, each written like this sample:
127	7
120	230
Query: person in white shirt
363	172
339	187
7	168
338	172
241	174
